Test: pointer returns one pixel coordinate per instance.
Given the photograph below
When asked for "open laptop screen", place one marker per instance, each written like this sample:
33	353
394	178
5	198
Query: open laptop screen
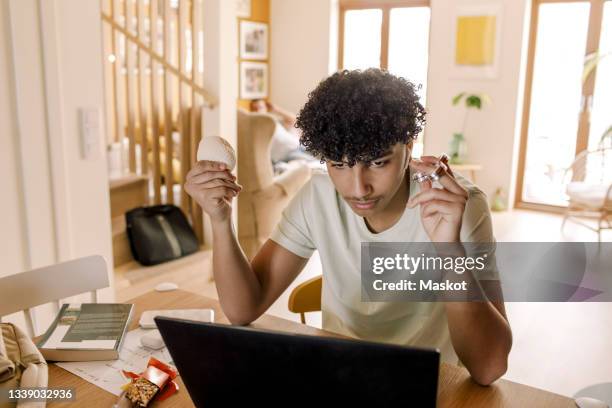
225	365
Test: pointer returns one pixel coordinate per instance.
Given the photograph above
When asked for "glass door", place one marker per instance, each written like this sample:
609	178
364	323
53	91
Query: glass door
601	105
561	117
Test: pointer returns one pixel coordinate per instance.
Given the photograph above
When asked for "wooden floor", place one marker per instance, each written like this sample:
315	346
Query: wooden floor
192	273
558	347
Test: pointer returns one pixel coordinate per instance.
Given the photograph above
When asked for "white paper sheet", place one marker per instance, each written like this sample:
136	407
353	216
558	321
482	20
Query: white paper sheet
132	357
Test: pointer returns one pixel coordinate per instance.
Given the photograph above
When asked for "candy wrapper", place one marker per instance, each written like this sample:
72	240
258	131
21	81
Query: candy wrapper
155	383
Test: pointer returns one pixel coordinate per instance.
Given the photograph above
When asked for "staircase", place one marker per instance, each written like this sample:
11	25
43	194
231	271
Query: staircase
154	75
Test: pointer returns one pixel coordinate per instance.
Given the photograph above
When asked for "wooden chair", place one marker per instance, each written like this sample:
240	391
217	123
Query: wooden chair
306	297
24	291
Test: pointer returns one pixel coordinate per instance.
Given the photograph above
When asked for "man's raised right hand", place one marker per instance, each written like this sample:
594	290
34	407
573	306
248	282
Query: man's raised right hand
213	187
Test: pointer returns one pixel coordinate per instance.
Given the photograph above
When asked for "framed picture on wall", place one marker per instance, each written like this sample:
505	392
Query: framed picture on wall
253	40
243	8
253	80
476	41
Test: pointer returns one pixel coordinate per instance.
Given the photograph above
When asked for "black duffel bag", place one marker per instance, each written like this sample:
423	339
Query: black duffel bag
159	233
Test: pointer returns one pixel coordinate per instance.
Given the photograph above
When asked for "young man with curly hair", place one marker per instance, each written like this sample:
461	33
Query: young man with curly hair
361	124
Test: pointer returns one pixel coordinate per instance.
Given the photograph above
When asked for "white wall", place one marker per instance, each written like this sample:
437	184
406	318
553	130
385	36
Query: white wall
492	133
220	78
303	48
56	203
13	240
221	67
28	134
82	85
303	52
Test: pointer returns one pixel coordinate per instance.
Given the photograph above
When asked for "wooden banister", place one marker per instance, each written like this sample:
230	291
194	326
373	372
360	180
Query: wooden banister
209	100
149	111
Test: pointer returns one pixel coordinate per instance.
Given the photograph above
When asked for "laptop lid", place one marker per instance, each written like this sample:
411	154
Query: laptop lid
225	365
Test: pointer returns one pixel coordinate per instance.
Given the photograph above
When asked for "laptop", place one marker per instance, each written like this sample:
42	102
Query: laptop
223	366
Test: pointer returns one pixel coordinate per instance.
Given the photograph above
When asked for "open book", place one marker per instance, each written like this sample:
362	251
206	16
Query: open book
86	332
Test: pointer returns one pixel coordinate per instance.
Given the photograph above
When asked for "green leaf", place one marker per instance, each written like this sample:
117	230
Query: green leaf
457	98
590	63
473	101
606	134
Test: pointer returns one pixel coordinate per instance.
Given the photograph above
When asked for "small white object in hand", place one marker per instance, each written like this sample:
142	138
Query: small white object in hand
215	148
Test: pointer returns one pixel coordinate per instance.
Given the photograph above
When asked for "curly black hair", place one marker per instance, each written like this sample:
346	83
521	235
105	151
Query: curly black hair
357	115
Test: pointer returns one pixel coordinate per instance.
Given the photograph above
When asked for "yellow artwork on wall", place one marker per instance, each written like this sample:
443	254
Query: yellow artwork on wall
475	41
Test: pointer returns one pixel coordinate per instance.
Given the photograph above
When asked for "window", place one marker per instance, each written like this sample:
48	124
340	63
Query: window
362	38
563	115
393	37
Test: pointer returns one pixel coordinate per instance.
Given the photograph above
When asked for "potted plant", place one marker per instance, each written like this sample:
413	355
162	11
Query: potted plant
458	144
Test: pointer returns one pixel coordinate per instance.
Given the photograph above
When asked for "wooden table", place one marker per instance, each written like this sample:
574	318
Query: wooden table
456	389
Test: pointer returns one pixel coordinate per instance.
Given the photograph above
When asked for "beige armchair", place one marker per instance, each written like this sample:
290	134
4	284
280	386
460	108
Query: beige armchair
264	195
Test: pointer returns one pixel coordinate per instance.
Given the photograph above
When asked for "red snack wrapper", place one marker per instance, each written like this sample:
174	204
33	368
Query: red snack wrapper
167	392
156	376
163	367
156	382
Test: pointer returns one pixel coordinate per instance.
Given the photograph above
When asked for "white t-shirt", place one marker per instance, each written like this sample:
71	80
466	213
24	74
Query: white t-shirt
318	218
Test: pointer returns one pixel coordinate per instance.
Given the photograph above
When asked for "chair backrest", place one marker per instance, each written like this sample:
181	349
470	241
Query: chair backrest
255	131
50	284
306	297
592	166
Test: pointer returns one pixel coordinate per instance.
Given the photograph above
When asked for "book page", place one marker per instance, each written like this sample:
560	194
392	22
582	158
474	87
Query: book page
98	321
88	326
56	341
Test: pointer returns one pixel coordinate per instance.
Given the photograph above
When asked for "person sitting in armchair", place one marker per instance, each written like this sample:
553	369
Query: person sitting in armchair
285	144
